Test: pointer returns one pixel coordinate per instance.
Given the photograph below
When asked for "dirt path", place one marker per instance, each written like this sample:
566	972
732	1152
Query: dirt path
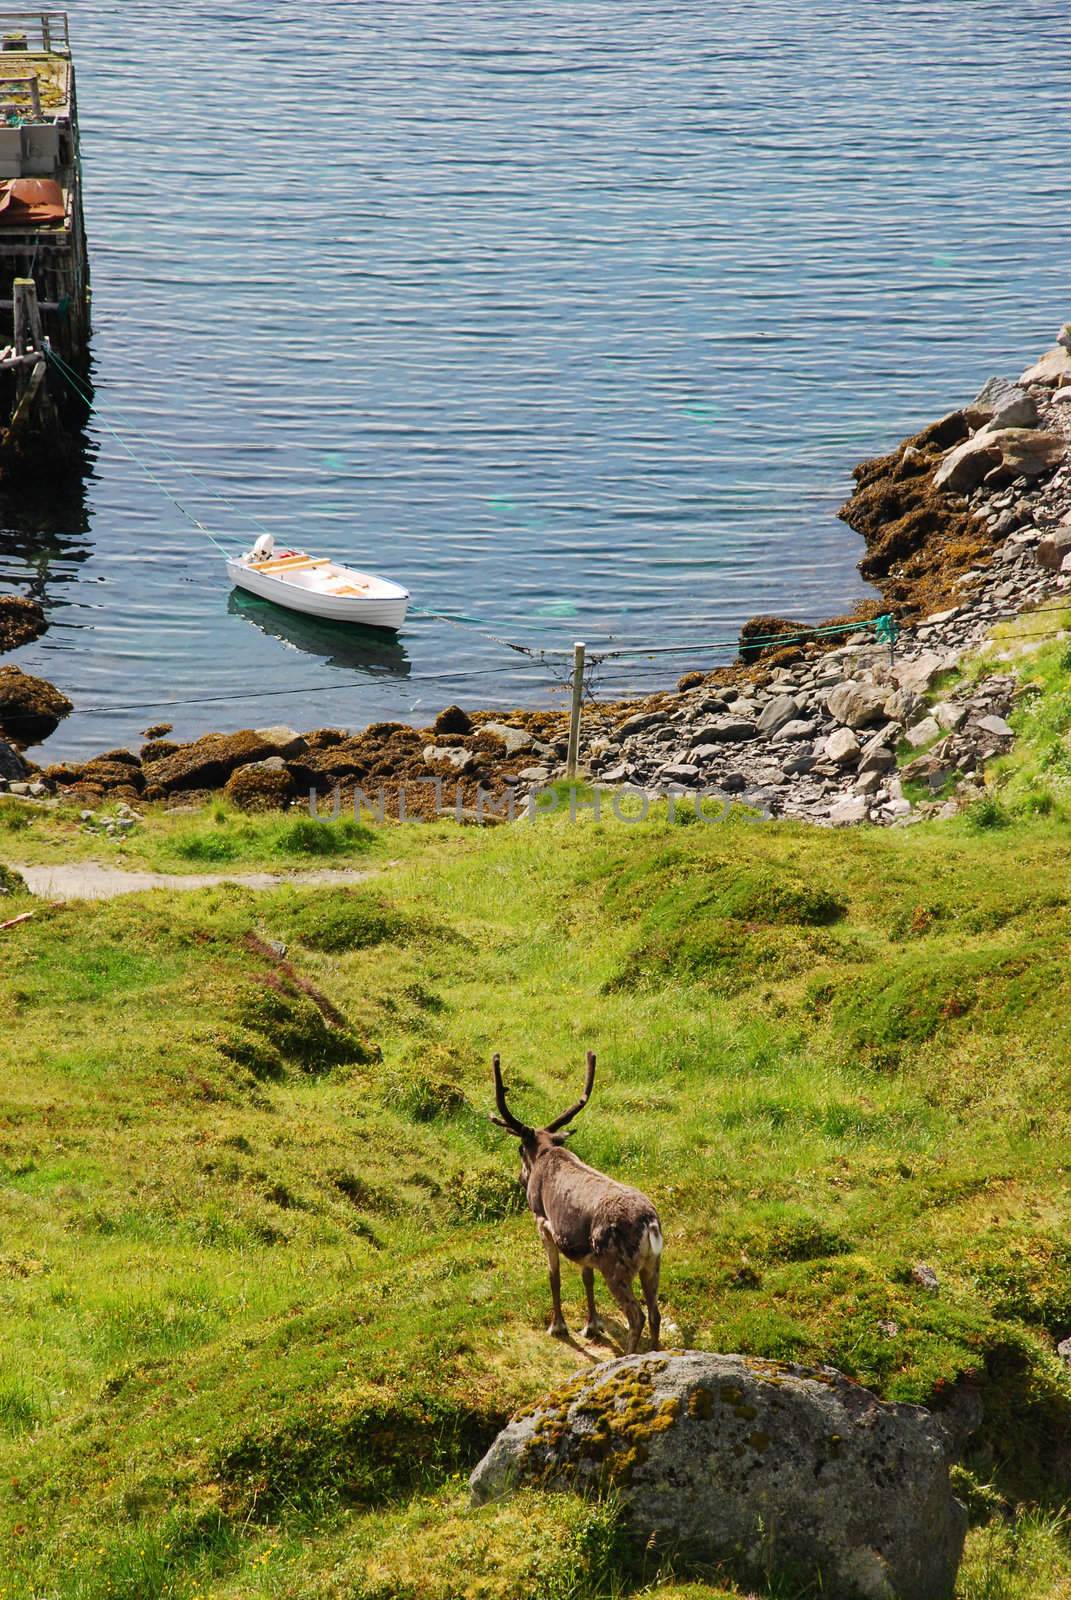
88	880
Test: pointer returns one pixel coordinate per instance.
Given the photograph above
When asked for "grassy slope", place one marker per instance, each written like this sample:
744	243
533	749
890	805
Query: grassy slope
264	1283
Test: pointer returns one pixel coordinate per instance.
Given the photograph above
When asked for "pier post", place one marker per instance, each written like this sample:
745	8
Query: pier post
574	713
29	330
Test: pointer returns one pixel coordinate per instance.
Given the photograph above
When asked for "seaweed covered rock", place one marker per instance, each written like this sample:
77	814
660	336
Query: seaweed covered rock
208	762
21	620
919	537
761	1466
759	636
261	785
453	720
30	708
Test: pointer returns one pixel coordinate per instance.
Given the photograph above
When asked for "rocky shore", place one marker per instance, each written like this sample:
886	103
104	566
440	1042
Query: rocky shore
966	523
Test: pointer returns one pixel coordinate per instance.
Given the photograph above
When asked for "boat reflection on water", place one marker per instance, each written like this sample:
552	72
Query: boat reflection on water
343	645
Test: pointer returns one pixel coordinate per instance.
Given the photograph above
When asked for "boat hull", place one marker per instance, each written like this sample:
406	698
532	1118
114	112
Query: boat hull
369	611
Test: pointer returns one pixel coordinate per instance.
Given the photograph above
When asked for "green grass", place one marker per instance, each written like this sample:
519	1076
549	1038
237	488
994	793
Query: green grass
266	1283
216	837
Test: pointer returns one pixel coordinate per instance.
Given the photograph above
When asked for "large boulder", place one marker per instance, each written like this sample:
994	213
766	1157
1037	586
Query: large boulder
1000	456
21	620
757	1465
1054	548
916	675
855	705
208	762
30	708
1002	404
1054	369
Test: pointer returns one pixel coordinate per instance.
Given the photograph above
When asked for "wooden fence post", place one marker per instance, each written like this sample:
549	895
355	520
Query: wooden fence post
574	713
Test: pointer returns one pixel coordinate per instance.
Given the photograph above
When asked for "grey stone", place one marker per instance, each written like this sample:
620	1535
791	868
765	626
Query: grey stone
918	674
283	741
1063	1350
461	760
1004	453
794	730
680	772
949	715
534	774
848	810
1053	370
842	747
1053	548
617	774
923	732
996	726
781	709
966	464
856	704
643	719
727	729
515	740
876	756
925	1277
1014	409
1026	453
753	1464
868	782
901	705
990	395
797	766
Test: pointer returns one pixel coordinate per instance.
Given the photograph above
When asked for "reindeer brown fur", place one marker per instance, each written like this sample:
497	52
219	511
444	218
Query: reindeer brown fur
594	1221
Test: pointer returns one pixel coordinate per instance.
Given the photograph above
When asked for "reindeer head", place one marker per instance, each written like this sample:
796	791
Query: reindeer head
535	1141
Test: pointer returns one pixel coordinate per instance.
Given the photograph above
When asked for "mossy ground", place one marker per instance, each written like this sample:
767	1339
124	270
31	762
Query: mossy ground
265	1283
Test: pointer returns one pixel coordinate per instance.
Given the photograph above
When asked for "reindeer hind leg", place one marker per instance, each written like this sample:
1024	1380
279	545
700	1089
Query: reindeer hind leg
619	1283
593	1328
649	1279
557	1327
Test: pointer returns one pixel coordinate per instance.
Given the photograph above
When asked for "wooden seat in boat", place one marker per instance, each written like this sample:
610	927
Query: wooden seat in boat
288	564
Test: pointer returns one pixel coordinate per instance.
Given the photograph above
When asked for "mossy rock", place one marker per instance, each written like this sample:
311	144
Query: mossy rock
208	762
761	1466
157	749
453	720
757	636
21	621
104	772
30	708
260	786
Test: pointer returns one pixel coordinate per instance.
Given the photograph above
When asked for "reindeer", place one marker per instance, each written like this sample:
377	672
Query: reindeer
591	1219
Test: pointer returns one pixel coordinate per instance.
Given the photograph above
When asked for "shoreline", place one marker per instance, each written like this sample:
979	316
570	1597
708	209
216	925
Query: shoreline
965	525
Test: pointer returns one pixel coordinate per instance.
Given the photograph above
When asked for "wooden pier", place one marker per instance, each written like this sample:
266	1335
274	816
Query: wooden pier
44	267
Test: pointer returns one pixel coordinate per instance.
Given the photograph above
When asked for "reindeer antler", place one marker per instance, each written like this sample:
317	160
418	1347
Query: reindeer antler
567	1116
507	1120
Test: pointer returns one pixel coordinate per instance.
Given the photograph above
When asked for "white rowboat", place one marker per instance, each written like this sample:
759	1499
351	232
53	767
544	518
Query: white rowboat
318	586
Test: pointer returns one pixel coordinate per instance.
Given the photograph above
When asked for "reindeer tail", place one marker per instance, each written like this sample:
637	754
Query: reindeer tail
651	1243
